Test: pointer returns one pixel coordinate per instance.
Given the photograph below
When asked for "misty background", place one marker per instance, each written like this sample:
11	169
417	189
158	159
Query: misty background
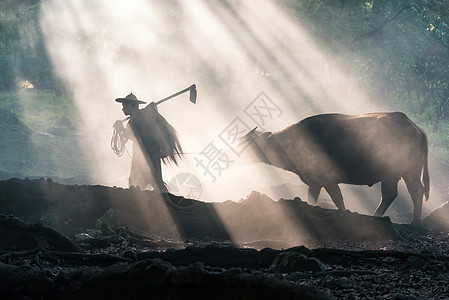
267	64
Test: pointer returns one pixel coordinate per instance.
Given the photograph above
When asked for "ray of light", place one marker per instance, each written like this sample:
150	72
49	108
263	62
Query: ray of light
232	50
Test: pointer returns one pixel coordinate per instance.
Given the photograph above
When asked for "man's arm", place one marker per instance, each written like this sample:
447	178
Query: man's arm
121	130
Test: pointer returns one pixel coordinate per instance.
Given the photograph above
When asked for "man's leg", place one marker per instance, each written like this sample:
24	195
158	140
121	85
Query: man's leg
156	169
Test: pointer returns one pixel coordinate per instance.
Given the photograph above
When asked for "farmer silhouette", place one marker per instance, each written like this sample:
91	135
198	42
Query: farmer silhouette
153	139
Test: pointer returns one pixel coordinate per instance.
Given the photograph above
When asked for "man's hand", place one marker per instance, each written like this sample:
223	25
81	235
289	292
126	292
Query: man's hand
118	125
152	105
119	138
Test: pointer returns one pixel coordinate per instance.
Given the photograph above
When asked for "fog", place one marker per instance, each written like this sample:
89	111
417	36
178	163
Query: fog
252	65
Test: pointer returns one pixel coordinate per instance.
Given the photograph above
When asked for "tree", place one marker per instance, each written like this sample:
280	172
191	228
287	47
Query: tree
23	54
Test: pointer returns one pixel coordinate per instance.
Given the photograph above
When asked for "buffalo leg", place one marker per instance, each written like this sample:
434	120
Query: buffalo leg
389	193
416	190
312	195
336	196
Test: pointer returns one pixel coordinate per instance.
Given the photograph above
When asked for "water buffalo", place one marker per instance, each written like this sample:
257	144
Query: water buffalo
328	149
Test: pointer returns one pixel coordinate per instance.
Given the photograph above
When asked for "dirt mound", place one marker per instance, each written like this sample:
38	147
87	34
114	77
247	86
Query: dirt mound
124	243
72	209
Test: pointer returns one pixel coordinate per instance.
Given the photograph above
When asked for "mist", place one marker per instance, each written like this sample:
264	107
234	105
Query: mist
252	65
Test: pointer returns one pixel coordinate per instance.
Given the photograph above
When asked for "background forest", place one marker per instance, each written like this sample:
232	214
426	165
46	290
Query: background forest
397	51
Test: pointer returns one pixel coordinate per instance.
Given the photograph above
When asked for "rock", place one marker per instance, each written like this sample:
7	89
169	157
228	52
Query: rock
16	235
341	283
293	261
129	253
82	236
400	267
435	266
438	220
415	262
406	297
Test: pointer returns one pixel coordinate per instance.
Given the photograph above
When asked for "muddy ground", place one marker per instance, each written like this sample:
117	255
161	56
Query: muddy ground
81	241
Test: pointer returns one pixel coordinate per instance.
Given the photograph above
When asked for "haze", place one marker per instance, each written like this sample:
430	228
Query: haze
238	53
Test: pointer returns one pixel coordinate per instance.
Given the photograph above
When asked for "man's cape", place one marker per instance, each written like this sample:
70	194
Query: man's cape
152	127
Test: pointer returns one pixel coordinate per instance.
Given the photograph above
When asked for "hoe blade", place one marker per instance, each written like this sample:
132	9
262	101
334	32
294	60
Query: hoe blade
193	93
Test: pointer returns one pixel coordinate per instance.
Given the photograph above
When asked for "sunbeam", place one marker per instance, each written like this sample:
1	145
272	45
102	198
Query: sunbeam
253	65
